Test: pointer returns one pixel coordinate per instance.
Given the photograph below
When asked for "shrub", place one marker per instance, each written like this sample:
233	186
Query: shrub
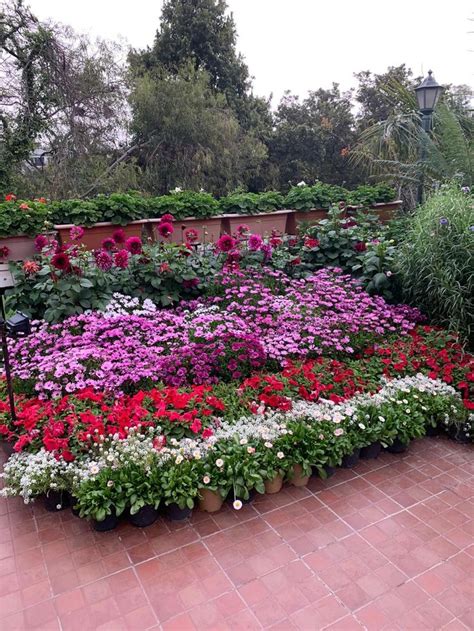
183	204
436	260
251	203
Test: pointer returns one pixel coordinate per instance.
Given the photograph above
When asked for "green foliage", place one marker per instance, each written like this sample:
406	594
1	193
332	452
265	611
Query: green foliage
179	483
436	260
367	195
322	195
183	204
30	220
251	203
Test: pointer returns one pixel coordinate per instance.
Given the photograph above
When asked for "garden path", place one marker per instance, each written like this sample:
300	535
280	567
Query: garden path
388	545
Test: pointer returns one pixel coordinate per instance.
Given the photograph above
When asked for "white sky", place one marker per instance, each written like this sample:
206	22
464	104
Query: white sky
302	45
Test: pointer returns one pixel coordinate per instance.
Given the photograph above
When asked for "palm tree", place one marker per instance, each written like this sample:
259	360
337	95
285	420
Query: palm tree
390	149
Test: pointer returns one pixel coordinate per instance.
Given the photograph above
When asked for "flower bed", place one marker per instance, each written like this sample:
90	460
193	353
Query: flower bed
112	472
256	320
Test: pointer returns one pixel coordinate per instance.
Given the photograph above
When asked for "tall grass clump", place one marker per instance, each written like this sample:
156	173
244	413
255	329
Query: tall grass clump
436	260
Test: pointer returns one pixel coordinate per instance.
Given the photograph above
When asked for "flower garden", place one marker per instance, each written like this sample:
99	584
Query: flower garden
165	378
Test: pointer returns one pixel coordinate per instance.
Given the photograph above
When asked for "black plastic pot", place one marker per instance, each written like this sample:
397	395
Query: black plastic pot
74	511
175	513
330	471
433	430
371	451
146	516
55	499
460	434
351	460
397	447
109	523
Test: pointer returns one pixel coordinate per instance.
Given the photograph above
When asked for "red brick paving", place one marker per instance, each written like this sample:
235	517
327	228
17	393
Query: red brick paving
388	545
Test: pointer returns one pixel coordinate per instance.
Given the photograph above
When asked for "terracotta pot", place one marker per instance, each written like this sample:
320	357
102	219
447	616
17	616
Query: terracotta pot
208	230
94	235
211	501
21	247
297	478
262	224
387	211
273	486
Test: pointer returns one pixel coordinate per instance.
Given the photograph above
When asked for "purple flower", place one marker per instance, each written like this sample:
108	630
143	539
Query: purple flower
443	221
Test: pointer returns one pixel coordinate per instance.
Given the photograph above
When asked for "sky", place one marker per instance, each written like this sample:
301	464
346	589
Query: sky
302	45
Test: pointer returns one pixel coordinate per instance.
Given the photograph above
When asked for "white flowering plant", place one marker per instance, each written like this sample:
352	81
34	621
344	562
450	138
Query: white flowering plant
179	482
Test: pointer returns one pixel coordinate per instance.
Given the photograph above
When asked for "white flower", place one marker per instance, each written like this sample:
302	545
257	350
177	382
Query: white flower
219	463
58	506
206	479
251	450
110	483
361	425
110	458
94	469
388	273
302	183
179	459
197	454
280	455
243	441
268	444
237	504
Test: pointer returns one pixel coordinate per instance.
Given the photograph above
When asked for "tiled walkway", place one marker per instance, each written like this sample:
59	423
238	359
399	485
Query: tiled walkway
386	546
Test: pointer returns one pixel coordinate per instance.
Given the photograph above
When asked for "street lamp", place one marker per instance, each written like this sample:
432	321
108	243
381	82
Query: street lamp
16	326
427	95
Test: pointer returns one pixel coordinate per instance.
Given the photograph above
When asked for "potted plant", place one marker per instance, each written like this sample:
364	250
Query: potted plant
20	222
214	485
179	487
100	498
274	464
142	494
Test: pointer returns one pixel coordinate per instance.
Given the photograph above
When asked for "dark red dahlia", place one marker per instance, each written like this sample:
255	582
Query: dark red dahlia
165	229
108	244
103	260
360	246
119	236
121	259
61	261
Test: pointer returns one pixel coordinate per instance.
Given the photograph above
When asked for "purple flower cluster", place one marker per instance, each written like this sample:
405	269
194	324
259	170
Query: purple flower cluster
255	319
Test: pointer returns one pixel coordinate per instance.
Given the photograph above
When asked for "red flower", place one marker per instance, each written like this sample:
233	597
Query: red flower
108	244
134	245
360	246
24	206
61	261
4	252
119	236
311	243
225	243
165	229
165	267
121	259
103	260
30	267
168	217
10	197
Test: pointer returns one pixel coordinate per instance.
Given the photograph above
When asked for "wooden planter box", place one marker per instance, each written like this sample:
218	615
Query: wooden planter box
94	235
262	224
385	212
208	230
21	247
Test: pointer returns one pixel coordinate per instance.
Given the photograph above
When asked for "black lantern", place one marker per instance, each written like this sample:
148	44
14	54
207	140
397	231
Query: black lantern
19	325
428	93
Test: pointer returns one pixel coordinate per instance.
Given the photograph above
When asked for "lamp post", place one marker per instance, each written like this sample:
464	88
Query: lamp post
17	326
427	95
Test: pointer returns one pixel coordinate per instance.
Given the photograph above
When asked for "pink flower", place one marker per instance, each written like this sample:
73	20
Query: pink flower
40	242
30	267
338	432
108	244
167	218
134	245
225	243
4	252
191	235
76	233
121	259
255	242
103	260
165	229
242	229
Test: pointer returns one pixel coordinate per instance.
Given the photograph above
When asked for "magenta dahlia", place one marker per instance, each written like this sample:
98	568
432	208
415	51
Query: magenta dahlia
108	244
165	229
225	243
119	236
134	245
103	260
121	259
41	242
61	261
255	242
